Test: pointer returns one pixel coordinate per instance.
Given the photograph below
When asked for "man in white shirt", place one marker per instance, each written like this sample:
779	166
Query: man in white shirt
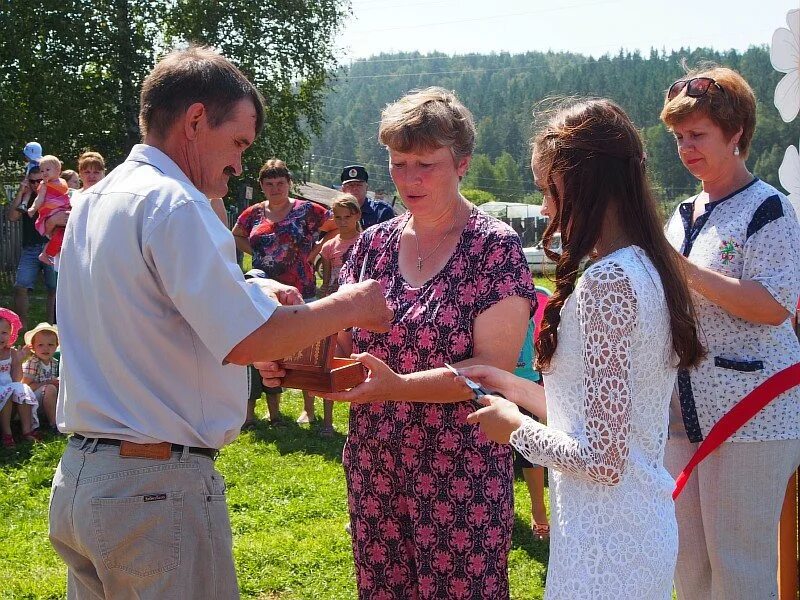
155	320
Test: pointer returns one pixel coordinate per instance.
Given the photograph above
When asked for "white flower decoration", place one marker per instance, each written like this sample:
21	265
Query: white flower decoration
785	57
789	174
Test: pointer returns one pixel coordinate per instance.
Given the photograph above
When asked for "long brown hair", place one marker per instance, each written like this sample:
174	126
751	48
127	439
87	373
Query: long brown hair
594	150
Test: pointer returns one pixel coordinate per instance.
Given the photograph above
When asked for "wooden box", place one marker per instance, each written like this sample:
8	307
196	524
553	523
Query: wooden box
316	369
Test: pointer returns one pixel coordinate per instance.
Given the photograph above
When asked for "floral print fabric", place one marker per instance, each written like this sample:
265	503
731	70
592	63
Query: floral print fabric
281	249
613	530
431	499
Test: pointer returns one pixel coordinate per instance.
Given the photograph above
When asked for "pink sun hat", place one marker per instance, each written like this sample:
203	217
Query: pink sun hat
14	321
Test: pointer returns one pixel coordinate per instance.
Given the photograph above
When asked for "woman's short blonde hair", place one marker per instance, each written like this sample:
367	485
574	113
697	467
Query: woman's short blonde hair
730	108
429	119
91	159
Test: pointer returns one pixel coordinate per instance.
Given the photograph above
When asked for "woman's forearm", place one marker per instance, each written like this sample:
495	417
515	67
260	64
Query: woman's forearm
533	400
243	244
437	386
748	300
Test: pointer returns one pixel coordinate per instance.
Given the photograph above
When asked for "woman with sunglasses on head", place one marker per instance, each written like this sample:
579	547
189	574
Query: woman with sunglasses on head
740	243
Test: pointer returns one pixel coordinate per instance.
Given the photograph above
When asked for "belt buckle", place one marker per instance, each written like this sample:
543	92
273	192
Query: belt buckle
160	451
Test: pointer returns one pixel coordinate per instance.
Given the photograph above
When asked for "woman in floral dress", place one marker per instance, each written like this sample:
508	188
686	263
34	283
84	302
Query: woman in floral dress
430	498
280	233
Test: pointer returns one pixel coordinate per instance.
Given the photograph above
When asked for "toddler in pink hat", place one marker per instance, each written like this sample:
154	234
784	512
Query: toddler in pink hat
12	391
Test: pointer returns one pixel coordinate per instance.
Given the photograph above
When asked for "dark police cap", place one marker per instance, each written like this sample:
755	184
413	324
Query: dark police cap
354	173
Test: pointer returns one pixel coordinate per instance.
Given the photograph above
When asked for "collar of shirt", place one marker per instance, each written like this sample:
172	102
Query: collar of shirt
150	155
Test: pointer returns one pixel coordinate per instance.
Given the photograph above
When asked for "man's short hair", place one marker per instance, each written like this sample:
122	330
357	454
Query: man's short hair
197	74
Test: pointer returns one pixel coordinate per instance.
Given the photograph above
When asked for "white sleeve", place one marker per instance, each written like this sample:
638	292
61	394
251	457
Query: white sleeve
194	257
607	309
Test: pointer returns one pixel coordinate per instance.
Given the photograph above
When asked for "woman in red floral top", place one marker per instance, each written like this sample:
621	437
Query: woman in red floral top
279	233
431	498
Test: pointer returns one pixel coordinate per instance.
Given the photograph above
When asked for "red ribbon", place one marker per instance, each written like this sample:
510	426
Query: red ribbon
745	409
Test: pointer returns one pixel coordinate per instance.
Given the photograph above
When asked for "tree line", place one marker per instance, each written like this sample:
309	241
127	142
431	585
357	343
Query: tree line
505	90
71	70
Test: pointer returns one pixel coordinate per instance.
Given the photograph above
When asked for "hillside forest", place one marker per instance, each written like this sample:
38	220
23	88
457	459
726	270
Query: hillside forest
504	92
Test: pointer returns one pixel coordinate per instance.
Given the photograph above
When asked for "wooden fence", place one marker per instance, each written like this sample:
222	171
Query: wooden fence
10	239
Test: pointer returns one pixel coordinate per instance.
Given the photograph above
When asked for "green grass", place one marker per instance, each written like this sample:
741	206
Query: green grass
287	501
288	506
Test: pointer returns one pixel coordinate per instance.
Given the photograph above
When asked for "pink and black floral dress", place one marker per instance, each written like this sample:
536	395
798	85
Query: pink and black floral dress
431	498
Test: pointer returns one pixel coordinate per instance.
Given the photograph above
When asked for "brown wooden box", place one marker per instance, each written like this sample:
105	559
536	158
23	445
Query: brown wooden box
316	369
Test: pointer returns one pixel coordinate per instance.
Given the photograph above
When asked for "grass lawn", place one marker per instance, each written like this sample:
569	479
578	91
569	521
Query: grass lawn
287	499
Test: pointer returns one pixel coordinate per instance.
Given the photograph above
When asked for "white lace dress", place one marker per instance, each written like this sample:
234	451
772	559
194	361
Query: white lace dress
614	534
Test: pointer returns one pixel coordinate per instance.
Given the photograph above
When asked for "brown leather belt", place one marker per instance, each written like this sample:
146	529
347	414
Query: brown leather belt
161	451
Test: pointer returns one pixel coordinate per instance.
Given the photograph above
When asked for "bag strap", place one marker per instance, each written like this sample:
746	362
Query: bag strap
734	419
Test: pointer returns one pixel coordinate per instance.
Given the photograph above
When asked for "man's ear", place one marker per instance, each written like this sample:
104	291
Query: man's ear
192	118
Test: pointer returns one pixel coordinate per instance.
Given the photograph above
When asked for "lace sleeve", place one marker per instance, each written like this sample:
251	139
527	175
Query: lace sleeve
607	310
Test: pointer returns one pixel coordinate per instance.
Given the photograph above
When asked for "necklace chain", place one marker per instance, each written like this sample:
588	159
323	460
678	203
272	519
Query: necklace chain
421	259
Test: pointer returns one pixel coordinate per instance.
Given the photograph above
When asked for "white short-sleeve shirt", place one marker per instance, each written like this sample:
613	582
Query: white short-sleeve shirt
150	302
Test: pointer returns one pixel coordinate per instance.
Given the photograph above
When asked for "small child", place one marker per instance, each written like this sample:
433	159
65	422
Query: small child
53	198
72	179
41	370
347	215
533	474
11	390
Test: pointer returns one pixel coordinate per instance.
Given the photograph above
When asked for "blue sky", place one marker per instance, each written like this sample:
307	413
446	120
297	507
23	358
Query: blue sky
584	26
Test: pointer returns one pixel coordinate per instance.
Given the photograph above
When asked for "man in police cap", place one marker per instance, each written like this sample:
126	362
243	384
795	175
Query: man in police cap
354	181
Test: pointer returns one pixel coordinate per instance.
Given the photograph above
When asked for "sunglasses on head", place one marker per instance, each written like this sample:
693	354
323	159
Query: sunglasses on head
695	87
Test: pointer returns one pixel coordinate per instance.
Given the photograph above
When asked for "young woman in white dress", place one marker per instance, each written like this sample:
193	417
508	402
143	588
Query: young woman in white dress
610	346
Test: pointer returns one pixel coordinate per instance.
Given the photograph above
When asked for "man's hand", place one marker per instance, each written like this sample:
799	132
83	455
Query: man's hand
367	301
271	373
282	293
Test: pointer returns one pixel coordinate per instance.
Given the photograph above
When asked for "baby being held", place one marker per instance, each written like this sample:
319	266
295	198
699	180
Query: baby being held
53	198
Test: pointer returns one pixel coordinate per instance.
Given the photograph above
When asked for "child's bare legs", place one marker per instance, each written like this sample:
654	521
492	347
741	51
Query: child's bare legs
5	417
25	412
327	417
534	478
49	398
308	413
251	411
273	407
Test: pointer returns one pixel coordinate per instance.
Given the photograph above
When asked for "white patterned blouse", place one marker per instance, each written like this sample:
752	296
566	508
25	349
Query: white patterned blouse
752	234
